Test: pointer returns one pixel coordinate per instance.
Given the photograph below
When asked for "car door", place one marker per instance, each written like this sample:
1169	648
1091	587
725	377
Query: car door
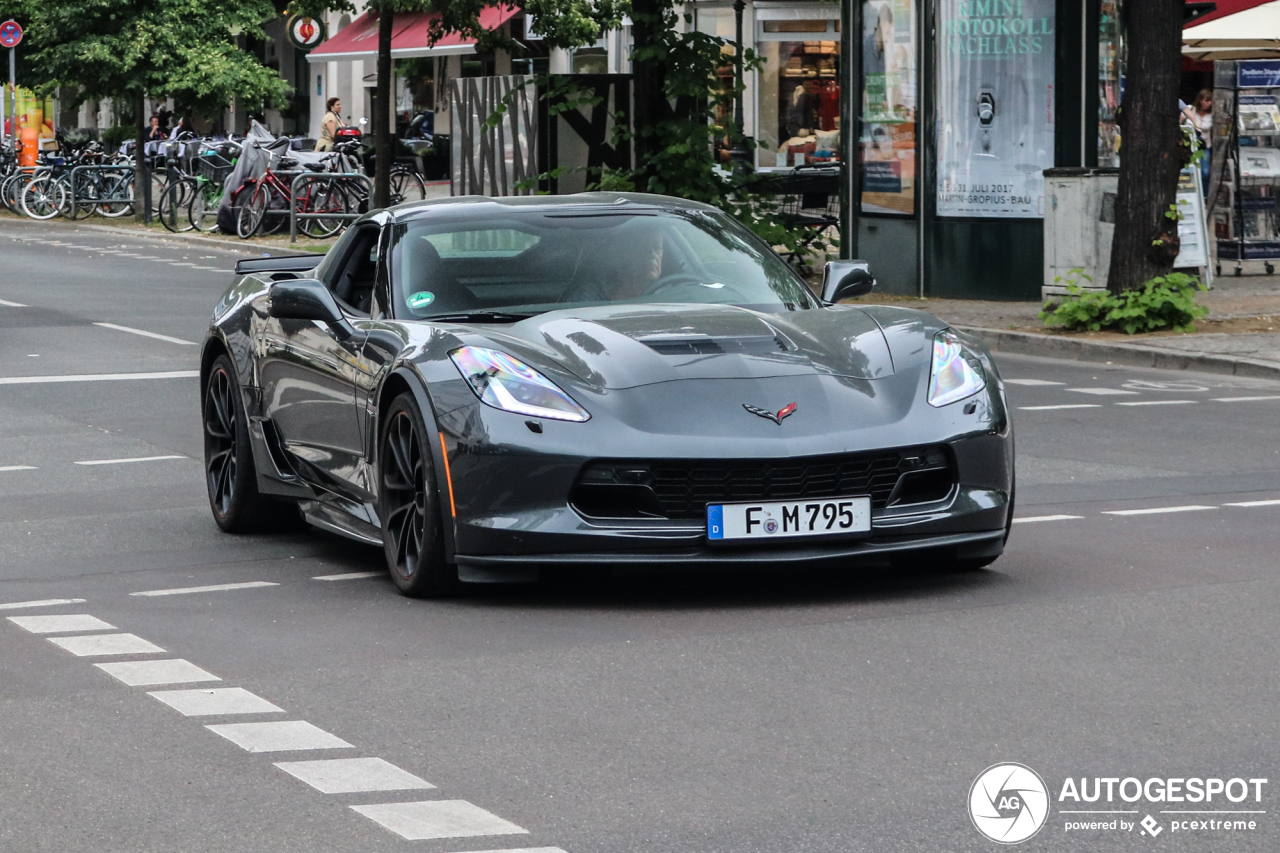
308	370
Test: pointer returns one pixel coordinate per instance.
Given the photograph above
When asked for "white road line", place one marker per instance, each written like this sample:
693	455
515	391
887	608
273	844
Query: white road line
1157	402
129	459
438	819
1031	382
353	775
9	304
17	467
181	264
65	624
45	602
97	377
147	334
1256	503
1101	392
97	645
215	701
1064	406
146	673
148	258
533	849
213	269
221	587
1244	399
1046	518
1155	510
348	576
279	737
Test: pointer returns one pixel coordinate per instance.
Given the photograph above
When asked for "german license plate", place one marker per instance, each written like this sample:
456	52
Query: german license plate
786	519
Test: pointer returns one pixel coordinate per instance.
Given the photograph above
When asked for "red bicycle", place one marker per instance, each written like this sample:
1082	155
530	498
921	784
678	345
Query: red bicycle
266	209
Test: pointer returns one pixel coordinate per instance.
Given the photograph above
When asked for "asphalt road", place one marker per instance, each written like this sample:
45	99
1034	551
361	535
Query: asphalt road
779	711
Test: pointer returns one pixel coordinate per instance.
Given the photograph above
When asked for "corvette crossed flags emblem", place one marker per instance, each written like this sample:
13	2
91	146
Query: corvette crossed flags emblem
785	412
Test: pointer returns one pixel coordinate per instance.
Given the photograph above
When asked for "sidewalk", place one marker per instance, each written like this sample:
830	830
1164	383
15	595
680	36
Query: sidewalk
1240	335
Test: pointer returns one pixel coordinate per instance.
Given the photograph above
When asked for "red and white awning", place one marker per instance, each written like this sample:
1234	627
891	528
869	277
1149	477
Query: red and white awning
410	37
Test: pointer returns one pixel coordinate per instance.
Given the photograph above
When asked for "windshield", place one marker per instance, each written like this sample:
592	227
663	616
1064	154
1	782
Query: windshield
518	263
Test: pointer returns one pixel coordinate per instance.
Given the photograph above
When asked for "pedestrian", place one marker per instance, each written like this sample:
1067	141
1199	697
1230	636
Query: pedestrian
329	124
155	133
1199	114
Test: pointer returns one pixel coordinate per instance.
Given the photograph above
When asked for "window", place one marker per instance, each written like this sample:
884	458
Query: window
799	91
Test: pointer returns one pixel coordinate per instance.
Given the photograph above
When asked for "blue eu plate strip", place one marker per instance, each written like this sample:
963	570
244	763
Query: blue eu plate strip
715	522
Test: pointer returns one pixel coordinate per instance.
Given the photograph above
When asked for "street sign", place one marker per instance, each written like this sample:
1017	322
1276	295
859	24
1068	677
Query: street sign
305	33
10	34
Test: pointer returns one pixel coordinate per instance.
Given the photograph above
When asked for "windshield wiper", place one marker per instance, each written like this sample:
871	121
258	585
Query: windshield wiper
481	317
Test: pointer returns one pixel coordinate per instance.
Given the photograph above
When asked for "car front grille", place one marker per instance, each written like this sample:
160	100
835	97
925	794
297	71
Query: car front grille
682	488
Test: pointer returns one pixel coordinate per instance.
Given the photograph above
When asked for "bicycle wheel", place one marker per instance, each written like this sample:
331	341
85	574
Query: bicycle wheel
173	205
85	190
117	194
202	212
11	191
252	212
328	197
43	198
406	185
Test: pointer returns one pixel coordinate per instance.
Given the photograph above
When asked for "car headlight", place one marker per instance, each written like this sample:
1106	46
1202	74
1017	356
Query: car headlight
507	383
955	374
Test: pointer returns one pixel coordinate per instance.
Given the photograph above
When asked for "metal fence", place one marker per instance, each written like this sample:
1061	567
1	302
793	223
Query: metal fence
302	178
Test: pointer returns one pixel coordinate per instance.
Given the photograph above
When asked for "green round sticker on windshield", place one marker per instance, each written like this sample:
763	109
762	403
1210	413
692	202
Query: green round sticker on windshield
421	299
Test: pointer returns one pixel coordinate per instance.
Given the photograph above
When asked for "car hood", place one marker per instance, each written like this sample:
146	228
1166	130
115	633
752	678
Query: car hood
615	347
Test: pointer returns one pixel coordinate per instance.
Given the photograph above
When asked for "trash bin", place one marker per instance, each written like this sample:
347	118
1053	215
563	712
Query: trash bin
1079	222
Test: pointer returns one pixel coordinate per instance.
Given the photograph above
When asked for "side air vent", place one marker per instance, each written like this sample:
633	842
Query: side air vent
699	345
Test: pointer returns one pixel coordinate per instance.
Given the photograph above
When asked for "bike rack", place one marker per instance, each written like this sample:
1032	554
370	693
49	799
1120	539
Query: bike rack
75	197
302	178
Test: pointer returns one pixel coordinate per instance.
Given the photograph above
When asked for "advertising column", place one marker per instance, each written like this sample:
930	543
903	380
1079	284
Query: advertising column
994	107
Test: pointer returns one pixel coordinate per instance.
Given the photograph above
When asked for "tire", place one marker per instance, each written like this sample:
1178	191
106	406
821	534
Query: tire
43	198
252	212
329	197
203	210
406	185
230	477
117	195
409	505
173	205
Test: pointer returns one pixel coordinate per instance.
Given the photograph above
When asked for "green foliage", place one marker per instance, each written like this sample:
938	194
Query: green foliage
1164	302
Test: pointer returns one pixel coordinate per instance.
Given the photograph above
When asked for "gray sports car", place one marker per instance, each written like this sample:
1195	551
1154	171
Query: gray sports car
486	387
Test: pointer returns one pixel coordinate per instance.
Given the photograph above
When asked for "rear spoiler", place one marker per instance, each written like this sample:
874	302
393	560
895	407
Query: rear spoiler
288	263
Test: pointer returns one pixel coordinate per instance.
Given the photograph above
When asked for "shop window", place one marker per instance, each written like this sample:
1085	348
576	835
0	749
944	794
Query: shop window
798	94
888	141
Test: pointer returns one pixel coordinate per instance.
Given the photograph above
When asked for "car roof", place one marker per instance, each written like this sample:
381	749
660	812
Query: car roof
432	208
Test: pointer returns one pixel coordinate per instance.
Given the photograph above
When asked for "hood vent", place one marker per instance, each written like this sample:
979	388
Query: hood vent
703	345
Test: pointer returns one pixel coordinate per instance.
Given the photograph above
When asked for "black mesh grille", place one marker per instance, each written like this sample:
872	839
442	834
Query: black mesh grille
681	489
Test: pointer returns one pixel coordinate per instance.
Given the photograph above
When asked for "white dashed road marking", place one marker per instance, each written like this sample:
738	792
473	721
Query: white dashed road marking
98	645
279	737
1064	406
45	602
1101	392
1156	510
1256	503
438	819
348	576
130	459
69	623
145	673
215	701
1046	518
221	587
529	850
1244	399
1157	402
353	775
17	467
97	377
144	333
1031	382
9	304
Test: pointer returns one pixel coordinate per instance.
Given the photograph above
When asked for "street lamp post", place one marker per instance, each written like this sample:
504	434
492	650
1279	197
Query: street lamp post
740	153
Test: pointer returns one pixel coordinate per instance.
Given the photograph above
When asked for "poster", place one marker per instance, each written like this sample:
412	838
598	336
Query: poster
1259	115
995	106
888	144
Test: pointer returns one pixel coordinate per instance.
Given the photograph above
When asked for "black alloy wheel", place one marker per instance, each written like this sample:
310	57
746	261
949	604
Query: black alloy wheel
409	505
228	460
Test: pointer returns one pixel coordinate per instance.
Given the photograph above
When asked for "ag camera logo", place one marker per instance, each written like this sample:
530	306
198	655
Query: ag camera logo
1008	803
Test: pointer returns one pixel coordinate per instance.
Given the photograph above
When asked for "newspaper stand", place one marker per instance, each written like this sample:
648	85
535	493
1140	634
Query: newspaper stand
1248	176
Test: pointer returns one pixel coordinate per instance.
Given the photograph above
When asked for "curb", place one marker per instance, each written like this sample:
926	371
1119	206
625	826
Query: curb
242	246
1131	355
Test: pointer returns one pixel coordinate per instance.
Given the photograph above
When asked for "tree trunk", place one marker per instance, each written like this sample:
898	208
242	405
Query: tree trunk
382	112
649	81
1152	146
141	176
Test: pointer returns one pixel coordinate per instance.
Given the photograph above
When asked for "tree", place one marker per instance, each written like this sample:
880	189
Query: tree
130	49
1154	147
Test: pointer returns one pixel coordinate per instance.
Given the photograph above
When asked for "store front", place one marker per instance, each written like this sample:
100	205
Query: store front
954	128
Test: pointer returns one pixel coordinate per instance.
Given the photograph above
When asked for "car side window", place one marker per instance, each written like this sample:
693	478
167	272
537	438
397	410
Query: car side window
353	277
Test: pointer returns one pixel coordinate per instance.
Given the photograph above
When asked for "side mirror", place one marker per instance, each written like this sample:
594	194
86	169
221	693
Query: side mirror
308	299
846	279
